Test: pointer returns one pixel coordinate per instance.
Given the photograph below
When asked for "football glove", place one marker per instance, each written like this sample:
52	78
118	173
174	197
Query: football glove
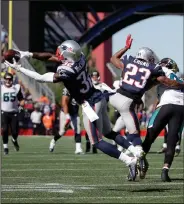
128	42
14	66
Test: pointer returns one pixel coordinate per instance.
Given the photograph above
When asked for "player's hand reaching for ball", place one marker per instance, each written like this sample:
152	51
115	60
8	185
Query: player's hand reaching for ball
13	65
24	53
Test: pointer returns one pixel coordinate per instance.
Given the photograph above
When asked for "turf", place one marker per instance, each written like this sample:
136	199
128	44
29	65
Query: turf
34	175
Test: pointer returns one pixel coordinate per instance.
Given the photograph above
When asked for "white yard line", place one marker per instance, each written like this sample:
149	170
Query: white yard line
58	185
88	198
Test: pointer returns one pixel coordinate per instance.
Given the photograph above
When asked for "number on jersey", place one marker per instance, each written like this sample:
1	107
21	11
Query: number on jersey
86	81
129	79
9	97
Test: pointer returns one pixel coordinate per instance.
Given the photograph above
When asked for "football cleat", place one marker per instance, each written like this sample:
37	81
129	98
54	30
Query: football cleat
165	176
6	151
88	147
52	145
132	170
162	150
16	145
79	151
94	150
143	166
177	152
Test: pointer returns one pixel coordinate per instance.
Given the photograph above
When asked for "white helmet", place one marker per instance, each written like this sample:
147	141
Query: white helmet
146	54
69	50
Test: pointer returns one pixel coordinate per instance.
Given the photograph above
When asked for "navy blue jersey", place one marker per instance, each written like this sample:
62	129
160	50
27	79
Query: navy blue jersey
77	80
138	76
73	107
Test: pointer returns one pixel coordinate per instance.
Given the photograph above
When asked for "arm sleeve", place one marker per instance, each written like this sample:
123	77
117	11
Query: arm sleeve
48	77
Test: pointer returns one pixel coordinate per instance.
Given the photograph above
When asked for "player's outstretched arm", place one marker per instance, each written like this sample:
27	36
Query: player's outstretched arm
43	56
115	59
47	77
170	83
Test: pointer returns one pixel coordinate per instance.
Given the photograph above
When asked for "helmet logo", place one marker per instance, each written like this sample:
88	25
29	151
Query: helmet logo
70	49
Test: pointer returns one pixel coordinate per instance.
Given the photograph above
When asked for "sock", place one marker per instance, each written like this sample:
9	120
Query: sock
125	158
78	146
120	148
122	141
108	149
5	146
128	153
136	151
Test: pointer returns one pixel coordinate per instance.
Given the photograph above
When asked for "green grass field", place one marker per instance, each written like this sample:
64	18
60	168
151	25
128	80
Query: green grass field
34	175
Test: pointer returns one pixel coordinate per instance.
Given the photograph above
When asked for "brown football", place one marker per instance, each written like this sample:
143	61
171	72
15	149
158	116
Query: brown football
10	54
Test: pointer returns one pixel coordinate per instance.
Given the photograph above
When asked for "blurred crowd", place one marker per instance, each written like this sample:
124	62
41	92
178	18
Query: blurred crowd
38	114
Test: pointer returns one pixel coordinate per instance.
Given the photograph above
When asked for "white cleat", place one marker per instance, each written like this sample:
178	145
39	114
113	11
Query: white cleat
79	151
132	169
52	145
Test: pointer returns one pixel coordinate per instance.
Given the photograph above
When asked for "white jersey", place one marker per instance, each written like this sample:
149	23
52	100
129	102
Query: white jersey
167	95
36	117
9	100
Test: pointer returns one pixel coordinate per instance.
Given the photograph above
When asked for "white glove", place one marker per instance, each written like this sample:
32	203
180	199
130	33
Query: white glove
24	53
15	65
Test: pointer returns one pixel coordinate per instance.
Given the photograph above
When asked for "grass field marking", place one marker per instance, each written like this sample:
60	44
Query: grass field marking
72	163
107	197
39	189
26	177
66	169
59	185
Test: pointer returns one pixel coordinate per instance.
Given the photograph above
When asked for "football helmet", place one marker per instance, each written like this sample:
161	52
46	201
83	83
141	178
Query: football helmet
69	50
146	54
95	76
8	79
170	64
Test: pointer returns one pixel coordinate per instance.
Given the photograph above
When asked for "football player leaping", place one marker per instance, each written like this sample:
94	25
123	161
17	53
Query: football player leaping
73	73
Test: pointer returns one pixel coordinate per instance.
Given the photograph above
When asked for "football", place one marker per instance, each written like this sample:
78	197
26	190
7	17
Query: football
10	54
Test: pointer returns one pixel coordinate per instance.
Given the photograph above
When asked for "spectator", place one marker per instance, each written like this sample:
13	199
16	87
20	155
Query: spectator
28	96
48	123
36	117
43	99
